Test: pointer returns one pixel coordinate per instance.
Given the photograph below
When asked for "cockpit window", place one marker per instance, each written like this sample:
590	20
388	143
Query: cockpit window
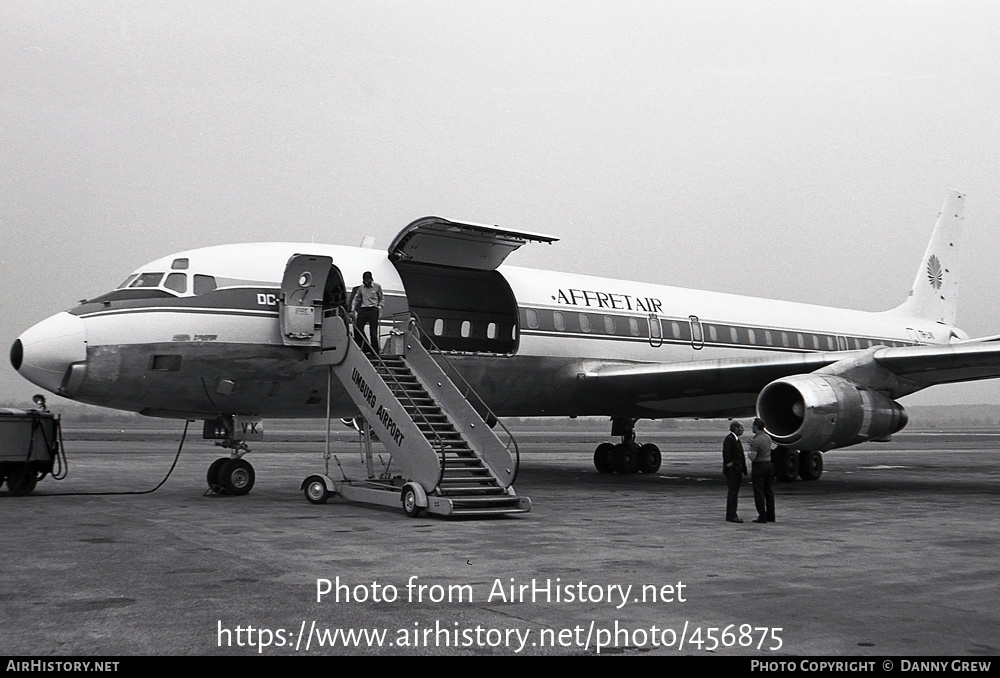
128	280
174	282
203	284
147	280
177	282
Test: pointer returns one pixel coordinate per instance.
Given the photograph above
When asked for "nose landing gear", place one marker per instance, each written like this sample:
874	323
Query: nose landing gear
232	475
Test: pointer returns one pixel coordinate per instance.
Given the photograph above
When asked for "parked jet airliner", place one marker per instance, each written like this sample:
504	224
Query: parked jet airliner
207	334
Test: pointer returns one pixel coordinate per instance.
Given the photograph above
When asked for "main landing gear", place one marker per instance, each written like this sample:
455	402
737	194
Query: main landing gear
627	456
231	475
790	464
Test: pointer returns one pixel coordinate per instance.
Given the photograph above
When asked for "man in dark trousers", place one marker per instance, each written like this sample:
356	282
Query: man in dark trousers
763	473
734	467
367	304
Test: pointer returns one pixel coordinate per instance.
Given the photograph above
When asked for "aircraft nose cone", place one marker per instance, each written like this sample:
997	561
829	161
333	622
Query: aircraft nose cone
45	353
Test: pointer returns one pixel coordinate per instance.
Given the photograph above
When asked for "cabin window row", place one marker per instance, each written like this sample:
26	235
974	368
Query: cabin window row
693	330
466	329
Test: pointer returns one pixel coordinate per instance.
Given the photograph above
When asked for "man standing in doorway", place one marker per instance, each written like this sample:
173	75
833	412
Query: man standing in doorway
734	467
367	305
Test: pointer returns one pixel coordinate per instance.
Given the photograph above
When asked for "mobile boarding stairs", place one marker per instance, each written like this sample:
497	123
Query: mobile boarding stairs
448	460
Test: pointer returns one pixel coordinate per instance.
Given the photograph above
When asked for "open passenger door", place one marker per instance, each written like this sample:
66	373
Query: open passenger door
301	302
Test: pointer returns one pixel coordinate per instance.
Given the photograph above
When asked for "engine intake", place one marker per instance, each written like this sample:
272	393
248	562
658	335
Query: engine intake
821	412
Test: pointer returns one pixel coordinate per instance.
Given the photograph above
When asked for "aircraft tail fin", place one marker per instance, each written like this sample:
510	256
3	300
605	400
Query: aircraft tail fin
934	294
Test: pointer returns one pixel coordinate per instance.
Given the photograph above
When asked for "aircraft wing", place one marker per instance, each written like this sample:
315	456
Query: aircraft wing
897	371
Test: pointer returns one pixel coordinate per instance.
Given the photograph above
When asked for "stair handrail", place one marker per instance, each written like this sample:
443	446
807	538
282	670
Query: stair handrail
399	387
413	320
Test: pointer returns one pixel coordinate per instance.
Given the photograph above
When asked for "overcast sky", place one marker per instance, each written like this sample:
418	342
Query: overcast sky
786	149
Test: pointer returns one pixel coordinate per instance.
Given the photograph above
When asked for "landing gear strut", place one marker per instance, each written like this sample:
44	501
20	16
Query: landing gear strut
627	456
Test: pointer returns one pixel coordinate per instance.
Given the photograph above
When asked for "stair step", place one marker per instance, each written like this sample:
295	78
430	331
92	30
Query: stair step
468	488
487	511
498	500
460	490
420	414
459	504
447	435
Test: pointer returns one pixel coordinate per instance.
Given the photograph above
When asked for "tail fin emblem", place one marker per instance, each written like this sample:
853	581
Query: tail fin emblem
935	273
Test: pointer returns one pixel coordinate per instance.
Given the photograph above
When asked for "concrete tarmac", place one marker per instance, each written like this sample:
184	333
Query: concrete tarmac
893	552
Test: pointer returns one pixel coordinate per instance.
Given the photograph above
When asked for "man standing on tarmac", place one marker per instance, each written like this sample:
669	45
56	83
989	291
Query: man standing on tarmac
763	473
367	304
734	467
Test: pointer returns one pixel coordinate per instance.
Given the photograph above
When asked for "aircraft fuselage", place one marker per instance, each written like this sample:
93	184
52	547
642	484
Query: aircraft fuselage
169	345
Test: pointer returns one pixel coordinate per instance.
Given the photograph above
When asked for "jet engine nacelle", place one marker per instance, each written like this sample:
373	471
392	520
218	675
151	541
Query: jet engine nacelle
821	412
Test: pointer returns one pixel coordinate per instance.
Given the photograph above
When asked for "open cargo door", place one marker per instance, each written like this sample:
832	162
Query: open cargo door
452	286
